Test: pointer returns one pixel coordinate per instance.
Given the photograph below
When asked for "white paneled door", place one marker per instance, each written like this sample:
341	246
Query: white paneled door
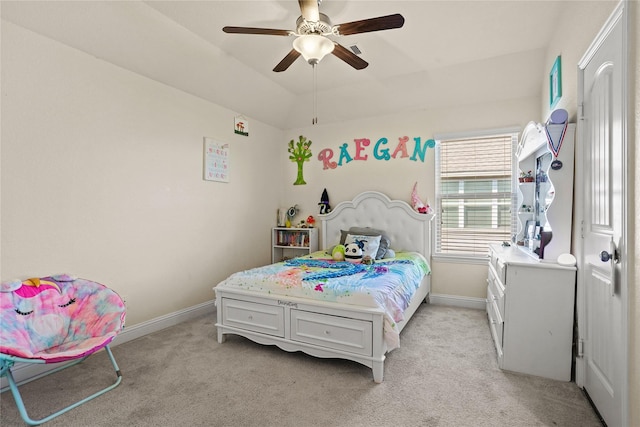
603	284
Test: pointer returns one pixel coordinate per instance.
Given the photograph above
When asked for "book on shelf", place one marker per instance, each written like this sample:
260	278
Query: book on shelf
292	238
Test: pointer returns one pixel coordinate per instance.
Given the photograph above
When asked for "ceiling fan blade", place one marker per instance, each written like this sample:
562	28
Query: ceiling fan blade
250	30
349	57
310	10
373	24
287	61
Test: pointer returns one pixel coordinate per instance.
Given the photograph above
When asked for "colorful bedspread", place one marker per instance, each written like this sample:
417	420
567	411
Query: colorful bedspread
388	284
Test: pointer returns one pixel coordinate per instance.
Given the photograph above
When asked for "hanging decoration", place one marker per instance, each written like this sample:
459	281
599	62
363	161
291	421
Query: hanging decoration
241	126
300	152
555	129
325	208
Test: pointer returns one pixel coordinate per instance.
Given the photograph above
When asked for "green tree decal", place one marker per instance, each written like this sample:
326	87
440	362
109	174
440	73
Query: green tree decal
300	152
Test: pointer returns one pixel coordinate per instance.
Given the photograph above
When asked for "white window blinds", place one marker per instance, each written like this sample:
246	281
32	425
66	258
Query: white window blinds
475	203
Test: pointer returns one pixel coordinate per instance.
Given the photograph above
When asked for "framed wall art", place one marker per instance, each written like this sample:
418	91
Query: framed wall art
555	82
216	161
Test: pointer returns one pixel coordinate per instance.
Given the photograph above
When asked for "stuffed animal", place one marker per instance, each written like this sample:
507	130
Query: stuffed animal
338	253
417	204
353	251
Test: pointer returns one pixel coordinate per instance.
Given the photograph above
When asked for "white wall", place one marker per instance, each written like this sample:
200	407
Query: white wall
102	178
581	21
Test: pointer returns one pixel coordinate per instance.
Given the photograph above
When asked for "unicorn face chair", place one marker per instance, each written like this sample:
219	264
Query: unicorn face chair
56	319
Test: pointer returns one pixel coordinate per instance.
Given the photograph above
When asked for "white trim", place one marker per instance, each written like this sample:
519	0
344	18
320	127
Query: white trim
458	301
477	134
461	259
25	372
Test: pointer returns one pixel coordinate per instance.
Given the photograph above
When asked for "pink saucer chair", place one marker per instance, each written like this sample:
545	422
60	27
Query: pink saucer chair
56	319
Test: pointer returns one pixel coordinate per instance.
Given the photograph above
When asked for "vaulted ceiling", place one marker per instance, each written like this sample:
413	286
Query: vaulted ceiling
450	52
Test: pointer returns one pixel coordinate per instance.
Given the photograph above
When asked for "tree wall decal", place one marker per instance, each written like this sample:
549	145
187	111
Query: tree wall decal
300	152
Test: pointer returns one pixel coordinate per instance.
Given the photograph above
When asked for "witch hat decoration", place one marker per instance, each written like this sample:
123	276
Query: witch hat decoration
324	203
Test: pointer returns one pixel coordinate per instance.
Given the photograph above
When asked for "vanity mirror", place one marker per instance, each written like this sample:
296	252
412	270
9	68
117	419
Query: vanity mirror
545	191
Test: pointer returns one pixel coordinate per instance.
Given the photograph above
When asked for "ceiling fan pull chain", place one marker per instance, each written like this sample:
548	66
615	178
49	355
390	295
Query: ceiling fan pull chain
315	95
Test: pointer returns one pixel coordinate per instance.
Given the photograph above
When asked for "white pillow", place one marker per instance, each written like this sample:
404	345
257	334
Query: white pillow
371	243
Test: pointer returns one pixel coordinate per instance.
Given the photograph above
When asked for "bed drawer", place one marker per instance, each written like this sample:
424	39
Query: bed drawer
251	316
340	333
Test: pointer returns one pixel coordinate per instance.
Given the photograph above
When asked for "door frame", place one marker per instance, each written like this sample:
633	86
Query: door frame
620	14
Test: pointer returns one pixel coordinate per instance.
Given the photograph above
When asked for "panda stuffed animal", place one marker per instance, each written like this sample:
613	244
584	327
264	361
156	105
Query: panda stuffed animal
353	251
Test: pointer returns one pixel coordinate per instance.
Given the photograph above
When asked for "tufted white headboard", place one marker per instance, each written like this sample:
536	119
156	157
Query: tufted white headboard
407	229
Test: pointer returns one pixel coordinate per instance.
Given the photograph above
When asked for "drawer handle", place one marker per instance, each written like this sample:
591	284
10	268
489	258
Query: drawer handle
250	317
327	332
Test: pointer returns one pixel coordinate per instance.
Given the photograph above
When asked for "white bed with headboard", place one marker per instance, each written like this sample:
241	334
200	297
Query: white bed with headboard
332	329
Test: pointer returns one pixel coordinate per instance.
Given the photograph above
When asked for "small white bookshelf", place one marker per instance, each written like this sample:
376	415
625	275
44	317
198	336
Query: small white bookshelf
287	243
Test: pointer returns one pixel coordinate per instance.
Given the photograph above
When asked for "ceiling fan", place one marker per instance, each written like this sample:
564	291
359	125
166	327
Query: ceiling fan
312	29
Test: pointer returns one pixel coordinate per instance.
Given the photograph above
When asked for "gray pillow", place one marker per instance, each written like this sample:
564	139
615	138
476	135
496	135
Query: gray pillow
385	242
390	254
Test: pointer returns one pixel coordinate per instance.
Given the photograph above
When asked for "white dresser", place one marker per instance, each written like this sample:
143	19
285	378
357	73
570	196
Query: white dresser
530	305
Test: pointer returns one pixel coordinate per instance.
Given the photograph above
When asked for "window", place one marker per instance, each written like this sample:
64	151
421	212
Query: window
475	193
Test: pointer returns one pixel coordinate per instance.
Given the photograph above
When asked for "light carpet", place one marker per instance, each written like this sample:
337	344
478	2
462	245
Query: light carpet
444	374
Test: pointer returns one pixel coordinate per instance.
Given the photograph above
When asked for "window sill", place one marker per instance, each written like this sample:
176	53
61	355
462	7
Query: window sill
461	259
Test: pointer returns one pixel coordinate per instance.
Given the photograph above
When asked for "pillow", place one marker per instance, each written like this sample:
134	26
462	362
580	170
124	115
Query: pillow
371	243
390	254
385	242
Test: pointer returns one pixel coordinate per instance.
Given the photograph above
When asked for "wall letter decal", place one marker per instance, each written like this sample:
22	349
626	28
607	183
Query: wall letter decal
360	145
419	150
344	154
402	146
385	151
325	157
380	152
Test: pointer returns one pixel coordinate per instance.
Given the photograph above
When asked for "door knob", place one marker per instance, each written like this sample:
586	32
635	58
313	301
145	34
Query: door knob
605	256
611	255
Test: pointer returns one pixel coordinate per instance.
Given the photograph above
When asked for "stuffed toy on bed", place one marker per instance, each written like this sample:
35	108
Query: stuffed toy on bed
353	251
57	318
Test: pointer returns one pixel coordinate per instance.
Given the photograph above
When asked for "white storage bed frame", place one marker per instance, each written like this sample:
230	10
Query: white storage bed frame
326	329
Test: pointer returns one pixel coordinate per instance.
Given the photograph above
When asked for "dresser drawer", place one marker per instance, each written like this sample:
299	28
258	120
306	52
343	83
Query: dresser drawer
496	320
495	291
340	333
251	316
501	271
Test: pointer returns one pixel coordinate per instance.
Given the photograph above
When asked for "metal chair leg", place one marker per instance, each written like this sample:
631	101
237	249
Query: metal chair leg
5	370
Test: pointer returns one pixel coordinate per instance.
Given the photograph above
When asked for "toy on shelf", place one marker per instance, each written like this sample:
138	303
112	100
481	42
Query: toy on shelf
310	221
291	213
526	177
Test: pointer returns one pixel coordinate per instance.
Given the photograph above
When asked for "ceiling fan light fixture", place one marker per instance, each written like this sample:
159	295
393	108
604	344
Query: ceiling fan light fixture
313	47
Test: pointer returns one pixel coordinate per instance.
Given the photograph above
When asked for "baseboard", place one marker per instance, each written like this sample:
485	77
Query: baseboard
25	372
458	301
163	322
